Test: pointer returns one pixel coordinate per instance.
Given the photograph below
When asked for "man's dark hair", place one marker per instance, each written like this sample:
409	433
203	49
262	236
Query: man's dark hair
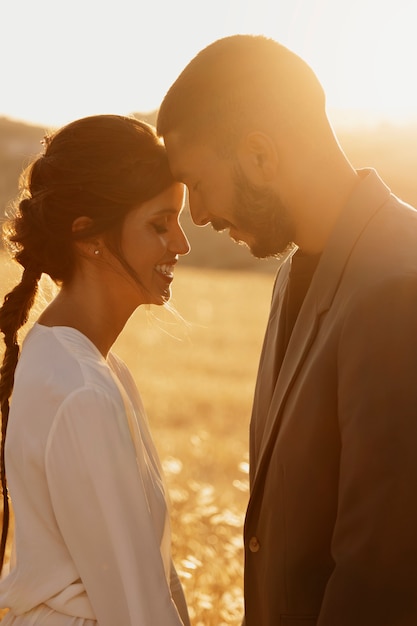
235	81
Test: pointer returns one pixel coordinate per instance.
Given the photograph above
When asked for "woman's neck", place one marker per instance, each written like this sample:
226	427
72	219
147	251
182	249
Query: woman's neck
94	316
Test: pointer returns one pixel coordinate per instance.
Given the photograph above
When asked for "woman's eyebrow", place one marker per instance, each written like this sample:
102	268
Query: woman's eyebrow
166	211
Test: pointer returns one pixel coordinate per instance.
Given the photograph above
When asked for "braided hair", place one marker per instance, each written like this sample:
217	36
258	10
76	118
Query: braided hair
100	167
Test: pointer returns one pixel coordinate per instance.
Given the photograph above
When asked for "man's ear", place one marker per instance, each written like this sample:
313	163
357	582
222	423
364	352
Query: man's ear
258	158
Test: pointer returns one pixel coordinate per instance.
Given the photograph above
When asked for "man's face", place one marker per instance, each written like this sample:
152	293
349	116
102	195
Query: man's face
220	194
260	211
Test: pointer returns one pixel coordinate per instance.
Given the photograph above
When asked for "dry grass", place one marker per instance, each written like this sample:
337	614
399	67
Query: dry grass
196	378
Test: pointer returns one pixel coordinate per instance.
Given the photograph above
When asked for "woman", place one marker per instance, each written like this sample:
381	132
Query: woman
99	213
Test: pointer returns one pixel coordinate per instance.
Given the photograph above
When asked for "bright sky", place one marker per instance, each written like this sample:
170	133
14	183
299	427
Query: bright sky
63	59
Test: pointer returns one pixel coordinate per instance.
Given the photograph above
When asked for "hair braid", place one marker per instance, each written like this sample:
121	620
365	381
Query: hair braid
13	315
99	167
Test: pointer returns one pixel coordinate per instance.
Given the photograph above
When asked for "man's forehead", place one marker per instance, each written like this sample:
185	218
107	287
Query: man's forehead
178	142
176	151
183	153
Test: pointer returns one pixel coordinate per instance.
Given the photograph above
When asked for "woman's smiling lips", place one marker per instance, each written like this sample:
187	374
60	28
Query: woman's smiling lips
166	269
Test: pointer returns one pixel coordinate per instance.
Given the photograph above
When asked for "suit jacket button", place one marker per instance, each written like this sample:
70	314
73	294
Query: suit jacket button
254	544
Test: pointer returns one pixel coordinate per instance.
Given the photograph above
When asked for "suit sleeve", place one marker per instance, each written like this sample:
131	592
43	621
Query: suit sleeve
101	508
178	596
375	539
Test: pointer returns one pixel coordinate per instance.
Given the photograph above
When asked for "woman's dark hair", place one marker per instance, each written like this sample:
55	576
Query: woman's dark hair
100	167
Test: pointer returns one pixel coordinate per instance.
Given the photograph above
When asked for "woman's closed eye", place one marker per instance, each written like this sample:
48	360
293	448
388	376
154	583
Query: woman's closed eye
161	226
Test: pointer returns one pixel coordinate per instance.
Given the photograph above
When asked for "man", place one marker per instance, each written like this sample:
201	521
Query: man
331	525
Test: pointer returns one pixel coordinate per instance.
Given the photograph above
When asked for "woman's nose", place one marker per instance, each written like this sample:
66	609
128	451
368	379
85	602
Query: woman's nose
181	244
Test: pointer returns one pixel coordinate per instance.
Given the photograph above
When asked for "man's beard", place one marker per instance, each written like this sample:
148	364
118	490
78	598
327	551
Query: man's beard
261	214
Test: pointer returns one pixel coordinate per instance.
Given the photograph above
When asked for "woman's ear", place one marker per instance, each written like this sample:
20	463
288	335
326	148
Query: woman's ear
90	246
81	223
258	158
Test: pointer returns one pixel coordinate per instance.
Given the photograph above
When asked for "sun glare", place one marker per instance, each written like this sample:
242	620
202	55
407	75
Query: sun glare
121	57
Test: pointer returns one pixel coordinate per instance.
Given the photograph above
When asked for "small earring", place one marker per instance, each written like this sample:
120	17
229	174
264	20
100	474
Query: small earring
96	252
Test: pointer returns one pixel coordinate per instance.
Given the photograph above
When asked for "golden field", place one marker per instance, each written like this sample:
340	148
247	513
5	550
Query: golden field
196	376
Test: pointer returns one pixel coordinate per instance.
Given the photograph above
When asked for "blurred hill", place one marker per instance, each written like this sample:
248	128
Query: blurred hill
19	143
391	150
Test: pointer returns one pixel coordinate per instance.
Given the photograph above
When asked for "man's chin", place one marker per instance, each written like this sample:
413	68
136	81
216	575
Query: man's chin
259	250
264	251
239	241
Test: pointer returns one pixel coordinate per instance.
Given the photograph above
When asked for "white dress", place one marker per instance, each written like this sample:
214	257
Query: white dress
92	538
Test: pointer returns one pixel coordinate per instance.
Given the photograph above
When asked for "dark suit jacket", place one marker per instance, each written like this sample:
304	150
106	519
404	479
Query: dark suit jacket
331	525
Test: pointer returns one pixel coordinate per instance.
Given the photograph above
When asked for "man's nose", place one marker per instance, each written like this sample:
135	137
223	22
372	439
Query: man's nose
198	213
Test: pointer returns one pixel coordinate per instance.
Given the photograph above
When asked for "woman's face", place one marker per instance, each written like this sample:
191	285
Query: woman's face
151	241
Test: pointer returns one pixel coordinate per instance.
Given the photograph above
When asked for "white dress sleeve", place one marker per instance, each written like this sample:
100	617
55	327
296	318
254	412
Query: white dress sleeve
100	503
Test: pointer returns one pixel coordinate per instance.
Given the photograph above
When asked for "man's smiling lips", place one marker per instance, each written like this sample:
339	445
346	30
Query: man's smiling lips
220	225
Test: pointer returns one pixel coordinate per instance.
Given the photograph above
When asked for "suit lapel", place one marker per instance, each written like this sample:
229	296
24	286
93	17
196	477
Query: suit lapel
268	363
367	197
